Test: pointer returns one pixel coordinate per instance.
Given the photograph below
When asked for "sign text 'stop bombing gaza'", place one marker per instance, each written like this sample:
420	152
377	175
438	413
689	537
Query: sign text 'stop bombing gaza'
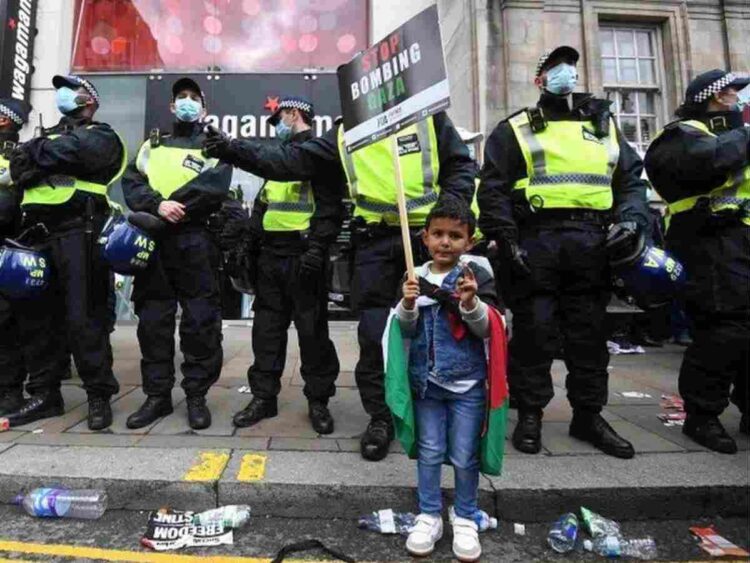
382	62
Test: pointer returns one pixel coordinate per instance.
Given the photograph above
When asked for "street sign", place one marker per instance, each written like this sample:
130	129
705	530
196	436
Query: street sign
17	32
394	83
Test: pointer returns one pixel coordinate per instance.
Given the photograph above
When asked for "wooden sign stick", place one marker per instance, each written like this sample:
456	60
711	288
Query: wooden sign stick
403	216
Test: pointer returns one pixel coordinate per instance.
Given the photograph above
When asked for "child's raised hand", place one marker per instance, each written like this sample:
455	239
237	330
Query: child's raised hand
410	290
467	289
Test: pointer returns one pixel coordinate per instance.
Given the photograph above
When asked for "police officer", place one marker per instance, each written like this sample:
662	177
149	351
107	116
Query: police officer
433	160
171	178
555	176
13	114
700	165
297	221
65	173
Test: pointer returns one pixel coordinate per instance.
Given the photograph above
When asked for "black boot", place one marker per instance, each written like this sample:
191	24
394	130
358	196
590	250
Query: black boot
527	437
255	411
376	440
199	417
708	431
10	401
152	410
41	405
100	413
743	424
320	417
592	428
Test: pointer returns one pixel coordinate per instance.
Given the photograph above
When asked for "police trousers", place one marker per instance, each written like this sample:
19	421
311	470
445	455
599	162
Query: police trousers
12	367
564	300
280	297
73	316
717	303
379	267
185	271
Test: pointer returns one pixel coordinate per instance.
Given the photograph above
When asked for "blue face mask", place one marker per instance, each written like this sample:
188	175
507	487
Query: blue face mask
67	100
561	79
187	110
283	131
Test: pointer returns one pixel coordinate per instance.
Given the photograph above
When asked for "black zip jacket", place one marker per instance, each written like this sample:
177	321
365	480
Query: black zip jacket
318	160
88	153
325	223
10	199
684	161
202	196
504	165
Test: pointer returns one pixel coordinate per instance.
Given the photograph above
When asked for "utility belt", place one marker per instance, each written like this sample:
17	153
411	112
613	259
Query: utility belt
574	218
362	232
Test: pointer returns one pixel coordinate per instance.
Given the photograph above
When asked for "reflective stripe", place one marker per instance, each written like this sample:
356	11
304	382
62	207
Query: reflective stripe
423	134
292	206
538	161
613	149
351	172
387	208
143	157
688	203
586	179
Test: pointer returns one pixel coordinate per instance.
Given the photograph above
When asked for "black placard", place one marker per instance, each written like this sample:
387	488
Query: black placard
395	82
17	31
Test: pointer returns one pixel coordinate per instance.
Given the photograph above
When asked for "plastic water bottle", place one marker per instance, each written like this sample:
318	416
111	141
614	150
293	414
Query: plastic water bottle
612	546
483	520
231	516
562	536
388	522
88	504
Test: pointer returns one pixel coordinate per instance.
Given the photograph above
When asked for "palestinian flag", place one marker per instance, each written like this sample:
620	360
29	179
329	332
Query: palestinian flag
399	399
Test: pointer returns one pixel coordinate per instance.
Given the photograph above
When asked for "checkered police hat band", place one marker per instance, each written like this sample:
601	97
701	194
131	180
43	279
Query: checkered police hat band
542	61
714	87
6	111
88	86
295	104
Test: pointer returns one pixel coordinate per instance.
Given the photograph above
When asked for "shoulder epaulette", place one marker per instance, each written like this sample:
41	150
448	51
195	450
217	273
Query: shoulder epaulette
512	115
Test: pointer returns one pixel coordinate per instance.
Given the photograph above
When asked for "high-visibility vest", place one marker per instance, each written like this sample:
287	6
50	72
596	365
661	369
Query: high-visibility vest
372	178
733	193
5	180
169	168
65	186
567	166
290	206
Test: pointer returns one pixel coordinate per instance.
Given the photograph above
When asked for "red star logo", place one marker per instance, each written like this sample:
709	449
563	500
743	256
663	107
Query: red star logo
12	23
272	103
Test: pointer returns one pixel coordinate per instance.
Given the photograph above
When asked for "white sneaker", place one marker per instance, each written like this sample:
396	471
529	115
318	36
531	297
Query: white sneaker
466	546
426	531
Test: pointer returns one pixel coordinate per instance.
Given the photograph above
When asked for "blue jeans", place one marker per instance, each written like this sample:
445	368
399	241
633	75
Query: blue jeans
448	429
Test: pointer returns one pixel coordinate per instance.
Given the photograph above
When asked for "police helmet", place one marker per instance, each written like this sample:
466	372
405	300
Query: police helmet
126	245
648	274
24	272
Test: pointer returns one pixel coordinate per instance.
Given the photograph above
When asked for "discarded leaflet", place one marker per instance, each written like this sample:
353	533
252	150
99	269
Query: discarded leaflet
174	529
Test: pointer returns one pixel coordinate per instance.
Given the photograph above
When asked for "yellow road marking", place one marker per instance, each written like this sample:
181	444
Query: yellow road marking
252	468
209	468
80	552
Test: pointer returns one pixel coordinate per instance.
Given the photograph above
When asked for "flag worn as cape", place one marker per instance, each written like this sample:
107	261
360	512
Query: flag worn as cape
399	399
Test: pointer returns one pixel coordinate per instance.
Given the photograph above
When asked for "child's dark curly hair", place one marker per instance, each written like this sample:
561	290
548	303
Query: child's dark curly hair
450	207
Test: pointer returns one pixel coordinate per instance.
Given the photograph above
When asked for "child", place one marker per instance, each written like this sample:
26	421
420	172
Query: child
447	374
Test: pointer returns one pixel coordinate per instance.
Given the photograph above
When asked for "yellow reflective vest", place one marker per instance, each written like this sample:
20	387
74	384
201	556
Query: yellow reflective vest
290	206
5	180
169	168
567	166
735	191
65	186
372	179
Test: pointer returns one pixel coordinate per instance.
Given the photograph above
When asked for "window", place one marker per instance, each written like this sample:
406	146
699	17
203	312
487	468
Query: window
226	35
631	75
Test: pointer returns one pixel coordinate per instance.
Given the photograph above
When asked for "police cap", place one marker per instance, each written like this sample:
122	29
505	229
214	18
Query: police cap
705	85
74	82
16	110
292	102
551	57
186	83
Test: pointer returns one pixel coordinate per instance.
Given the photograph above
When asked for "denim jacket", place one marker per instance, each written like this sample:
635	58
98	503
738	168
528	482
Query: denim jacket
433	349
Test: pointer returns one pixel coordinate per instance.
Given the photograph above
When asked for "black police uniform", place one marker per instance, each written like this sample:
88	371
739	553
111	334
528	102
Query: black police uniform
80	286
284	292
568	287
715	251
184	270
379	256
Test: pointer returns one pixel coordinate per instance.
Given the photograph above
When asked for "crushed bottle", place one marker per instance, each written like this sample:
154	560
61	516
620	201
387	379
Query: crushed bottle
230	517
388	522
597	525
88	504
483	520
613	547
562	536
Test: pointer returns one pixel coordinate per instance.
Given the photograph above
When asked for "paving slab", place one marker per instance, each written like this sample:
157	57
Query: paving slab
223	403
122	408
557	441
199	441
104	439
10	435
4	447
134	478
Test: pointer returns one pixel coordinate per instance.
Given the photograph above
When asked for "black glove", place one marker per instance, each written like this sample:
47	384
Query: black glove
23	169
312	262
622	242
511	252
216	143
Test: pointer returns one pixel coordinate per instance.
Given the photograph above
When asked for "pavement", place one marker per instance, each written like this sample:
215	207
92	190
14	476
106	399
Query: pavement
284	470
